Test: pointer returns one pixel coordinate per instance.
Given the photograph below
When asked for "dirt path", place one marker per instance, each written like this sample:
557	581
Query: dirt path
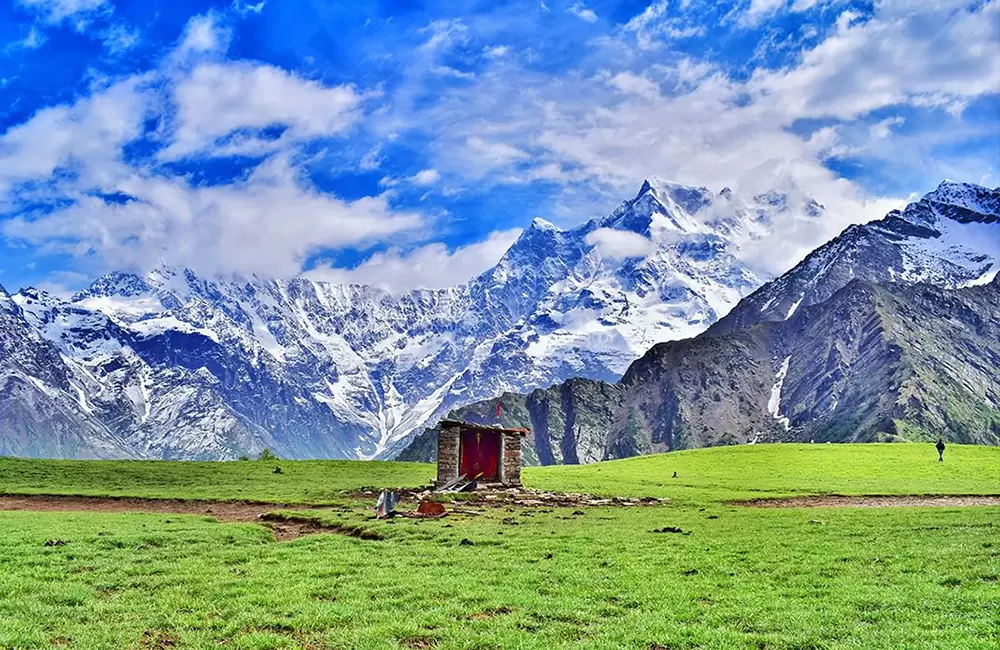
284	528
836	501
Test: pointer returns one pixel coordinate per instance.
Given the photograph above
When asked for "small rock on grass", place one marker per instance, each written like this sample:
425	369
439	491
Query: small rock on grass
467	542
668	529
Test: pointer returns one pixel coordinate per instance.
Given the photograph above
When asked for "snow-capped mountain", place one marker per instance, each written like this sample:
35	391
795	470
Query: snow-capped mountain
949	238
43	408
179	366
890	331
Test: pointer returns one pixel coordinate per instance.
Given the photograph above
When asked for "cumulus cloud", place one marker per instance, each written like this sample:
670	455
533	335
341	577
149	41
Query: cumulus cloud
202	34
496	51
652	29
240	99
84	138
66	174
432	266
635	84
426	177
266	224
901	57
619	244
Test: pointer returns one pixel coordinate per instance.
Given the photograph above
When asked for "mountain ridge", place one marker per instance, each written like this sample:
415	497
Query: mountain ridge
743	380
179	366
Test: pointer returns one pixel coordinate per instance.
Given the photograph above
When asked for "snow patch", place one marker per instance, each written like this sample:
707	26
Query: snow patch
774	403
795	305
157	326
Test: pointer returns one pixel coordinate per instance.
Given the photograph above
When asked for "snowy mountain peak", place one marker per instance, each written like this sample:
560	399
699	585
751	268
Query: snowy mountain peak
541	224
663	206
689	198
966	196
949	238
6	302
116	283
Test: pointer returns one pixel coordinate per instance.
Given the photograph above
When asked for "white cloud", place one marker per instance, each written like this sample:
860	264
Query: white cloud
883	129
759	9
762	9
423	178
903	57
426	177
444	34
119	38
267	224
35	39
432	266
619	244
247	8
203	34
583	13
55	11
239	99
112	212
448	71
628	108
496	51
497	152
85	137
635	84
651	28
372	159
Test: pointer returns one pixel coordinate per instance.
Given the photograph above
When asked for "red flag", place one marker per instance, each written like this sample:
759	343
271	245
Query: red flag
498	409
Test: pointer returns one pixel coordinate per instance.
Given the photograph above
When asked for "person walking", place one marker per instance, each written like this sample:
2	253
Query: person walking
940	448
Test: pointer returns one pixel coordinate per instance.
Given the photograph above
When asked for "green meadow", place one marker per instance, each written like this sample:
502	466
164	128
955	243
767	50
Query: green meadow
733	577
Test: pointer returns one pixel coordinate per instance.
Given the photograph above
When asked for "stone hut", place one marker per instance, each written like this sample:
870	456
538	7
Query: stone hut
489	454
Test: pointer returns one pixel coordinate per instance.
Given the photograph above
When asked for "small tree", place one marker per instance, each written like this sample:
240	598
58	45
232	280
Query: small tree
267	455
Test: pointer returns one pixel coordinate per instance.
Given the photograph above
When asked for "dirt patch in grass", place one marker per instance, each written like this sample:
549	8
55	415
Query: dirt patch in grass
839	501
520	497
285	527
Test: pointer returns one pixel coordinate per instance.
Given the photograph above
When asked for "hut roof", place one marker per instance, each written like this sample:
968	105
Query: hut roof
475	426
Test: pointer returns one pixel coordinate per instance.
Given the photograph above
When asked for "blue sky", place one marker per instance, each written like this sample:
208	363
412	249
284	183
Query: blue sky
407	143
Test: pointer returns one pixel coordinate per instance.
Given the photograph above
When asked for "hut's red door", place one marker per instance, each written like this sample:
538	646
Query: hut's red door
480	455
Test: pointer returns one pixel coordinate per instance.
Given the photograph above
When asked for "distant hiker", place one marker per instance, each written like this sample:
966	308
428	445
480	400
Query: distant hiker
940	448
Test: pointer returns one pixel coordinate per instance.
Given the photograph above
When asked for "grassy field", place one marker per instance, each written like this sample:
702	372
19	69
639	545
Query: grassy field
309	481
735	577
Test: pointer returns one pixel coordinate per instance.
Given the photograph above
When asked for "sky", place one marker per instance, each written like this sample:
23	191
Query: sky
407	143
